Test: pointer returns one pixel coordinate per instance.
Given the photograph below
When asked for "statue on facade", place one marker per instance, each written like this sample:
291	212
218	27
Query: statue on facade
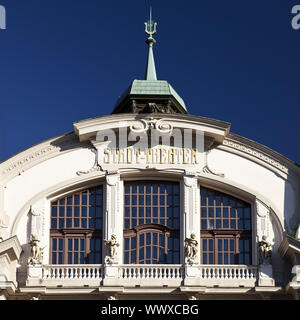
36	250
112	244
265	251
191	247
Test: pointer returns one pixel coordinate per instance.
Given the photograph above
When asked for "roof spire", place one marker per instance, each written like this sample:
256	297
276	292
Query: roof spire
150	29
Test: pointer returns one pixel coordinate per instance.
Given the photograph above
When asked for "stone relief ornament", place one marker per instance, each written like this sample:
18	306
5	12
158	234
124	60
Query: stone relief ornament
112	179
112	244
3	226
36	251
191	248
95	167
265	251
207	169
143	125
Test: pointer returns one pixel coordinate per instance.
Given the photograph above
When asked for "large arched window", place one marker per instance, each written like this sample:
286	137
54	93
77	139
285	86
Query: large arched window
225	229
151	222
76	228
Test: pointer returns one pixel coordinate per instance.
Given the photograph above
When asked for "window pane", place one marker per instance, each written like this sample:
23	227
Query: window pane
141	239
158	204
53	223
204	244
210	241
74	211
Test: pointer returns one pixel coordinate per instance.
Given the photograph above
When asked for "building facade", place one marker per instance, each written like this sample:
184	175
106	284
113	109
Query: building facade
149	202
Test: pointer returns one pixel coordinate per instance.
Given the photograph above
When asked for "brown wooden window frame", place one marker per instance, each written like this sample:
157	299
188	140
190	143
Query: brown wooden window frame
76	227
155	214
225	224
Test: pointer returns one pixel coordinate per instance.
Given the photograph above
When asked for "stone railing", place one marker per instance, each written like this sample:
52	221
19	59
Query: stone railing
151	275
228	275
144	275
87	274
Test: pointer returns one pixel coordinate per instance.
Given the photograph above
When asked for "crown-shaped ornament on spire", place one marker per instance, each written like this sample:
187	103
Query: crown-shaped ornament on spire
150	26
150	29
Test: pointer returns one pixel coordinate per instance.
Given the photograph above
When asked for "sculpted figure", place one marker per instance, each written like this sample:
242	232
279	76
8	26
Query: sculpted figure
190	247
112	244
265	250
36	250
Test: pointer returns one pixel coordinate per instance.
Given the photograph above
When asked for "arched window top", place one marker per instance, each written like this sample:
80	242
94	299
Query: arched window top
82	209
223	211
76	227
225	228
151	222
151	202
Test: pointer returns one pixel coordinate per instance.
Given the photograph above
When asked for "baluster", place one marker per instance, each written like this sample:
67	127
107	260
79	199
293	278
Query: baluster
242	273
223	273
251	273
231	272
248	273
159	271
177	273
172	273
93	273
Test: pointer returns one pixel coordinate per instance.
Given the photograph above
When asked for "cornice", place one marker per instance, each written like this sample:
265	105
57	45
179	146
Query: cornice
13	246
261	153
86	129
39	153
70	141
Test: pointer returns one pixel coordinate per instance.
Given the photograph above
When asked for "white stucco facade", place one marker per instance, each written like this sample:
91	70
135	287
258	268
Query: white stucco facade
228	163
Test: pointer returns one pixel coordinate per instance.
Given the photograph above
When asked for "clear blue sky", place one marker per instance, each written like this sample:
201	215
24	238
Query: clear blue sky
67	60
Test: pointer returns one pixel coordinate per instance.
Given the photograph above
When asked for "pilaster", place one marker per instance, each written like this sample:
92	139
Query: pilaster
191	217
113	220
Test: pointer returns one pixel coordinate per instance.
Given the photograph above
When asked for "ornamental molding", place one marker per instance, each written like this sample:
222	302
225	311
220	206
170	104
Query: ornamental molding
96	167
255	153
206	168
190	182
35	155
112	180
143	125
262	209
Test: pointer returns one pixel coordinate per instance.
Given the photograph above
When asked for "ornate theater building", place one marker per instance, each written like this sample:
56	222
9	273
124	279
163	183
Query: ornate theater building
149	202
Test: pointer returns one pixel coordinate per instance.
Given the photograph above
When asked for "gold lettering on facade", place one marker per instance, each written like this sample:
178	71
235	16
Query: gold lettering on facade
155	155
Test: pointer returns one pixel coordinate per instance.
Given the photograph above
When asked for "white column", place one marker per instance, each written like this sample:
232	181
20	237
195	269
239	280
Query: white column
113	224
264	228
191	224
113	221
191	221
